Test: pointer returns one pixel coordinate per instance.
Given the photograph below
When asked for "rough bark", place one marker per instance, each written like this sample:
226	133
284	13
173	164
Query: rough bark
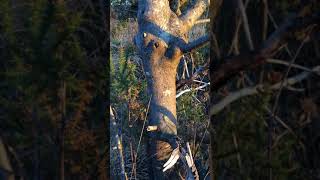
161	41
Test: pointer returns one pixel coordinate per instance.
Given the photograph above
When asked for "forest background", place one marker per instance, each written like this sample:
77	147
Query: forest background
53	93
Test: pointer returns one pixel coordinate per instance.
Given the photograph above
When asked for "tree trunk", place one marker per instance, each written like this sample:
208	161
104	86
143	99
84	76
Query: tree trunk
161	42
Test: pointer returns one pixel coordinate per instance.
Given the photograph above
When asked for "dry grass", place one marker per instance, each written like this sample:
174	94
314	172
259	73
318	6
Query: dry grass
123	32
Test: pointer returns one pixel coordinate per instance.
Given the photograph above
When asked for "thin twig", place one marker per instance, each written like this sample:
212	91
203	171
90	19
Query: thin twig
245	24
270	126
145	118
285	126
277	61
265	19
236	34
186	67
191	89
235	142
276	27
119	146
201	141
140	138
201	70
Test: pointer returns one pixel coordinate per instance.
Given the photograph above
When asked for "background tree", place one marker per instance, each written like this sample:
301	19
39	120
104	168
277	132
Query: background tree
264	129
53	77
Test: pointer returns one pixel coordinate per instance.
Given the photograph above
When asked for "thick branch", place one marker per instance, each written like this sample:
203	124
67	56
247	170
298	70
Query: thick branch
215	109
195	44
192	14
221	74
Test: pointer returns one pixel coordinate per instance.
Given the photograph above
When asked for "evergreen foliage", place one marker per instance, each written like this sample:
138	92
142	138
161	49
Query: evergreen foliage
45	44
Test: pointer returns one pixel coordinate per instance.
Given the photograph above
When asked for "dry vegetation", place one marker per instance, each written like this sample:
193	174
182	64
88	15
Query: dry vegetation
271	132
130	102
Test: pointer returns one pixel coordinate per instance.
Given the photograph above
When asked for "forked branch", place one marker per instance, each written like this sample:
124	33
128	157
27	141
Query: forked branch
190	17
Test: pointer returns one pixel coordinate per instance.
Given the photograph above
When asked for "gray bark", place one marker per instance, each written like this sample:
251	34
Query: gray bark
161	41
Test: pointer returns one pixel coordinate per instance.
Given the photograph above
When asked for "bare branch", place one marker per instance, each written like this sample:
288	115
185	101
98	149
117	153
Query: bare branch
245	24
270	120
195	44
192	89
215	109
276	27
284	32
245	61
277	61
119	145
190	17
265	19
202	70
235	39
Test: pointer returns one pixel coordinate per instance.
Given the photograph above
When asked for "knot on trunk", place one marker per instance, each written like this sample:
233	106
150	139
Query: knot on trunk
164	150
